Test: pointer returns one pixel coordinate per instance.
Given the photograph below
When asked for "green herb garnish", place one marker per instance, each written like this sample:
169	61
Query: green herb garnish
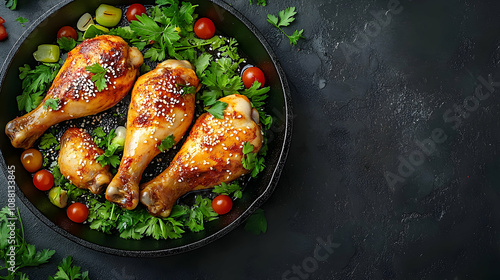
52	103
11	4
22	21
257	222
167	143
99	77
67	271
258	2
34	83
232	188
217	110
48	140
104	141
251	161
66	43
13	243
285	17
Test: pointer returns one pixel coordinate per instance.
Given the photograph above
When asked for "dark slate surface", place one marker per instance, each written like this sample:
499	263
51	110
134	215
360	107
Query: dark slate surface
381	89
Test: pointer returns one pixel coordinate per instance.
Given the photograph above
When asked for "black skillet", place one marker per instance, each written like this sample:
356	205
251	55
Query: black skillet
229	22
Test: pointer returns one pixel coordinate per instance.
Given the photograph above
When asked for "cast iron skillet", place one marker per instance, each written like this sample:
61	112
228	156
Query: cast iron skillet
229	22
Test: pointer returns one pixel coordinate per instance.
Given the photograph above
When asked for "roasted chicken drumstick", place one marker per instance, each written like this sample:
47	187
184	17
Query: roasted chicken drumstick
162	106
212	154
77	161
75	92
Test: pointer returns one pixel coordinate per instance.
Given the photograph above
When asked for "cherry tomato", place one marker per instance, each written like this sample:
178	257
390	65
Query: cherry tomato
67	31
43	180
3	31
32	160
77	212
222	204
204	28
135	10
251	75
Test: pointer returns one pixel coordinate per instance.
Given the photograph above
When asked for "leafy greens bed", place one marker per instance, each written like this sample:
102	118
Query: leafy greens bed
165	32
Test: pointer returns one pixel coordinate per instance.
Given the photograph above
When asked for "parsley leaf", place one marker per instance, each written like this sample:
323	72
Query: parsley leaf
256	95
59	179
251	161
167	143
285	18
11	4
257	222
201	63
66	43
124	32
230	50
99	77
26	254
52	103
220	80
34	83
67	271
48	140
104	216
22	21
99	133
295	36
163	37
201	211
28	102
217	110
258	2
109	158
105	141
228	189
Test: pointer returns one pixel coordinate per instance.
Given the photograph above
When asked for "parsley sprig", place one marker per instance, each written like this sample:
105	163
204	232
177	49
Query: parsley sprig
52	103
67	271
22	21
111	149
26	254
48	140
35	82
99	77
256	223
217	109
258	2
137	224
60	181
232	188
66	43
285	18
11	4
251	161
167	143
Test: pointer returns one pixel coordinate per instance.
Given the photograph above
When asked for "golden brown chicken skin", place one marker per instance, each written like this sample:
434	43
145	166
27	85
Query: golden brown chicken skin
77	161
74	90
211	155
160	107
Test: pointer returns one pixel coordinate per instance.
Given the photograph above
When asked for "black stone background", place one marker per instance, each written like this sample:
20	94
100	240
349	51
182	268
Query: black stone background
359	108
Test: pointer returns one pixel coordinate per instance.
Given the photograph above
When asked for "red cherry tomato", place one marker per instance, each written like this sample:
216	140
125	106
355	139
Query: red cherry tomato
77	212
32	160
3	31
67	31
204	28
135	10
251	75
43	180
222	204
